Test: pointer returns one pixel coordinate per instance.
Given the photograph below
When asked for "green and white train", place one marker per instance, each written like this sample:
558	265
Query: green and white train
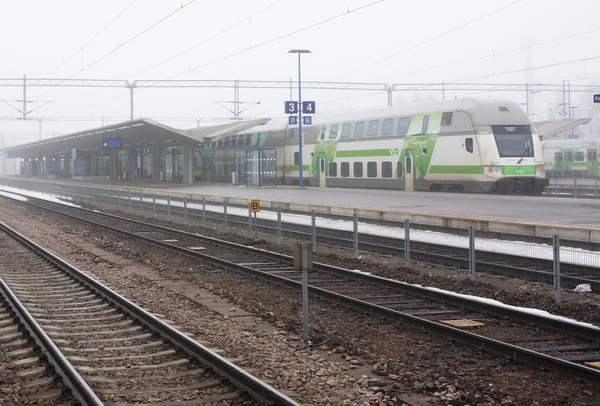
571	158
465	144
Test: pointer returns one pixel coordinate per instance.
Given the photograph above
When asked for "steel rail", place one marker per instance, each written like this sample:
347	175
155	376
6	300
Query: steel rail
79	388
240	378
518	354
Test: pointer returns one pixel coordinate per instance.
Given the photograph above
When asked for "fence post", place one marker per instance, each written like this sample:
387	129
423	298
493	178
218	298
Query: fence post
184	208
154	204
225	213
169	208
279	226
204	209
355	233
305	292
556	266
313	215
249	220
472	253
575	188
407	241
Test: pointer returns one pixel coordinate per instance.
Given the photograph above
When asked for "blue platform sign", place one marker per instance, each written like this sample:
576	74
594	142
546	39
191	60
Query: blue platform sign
309	107
307	120
291	107
111	143
293	120
597	98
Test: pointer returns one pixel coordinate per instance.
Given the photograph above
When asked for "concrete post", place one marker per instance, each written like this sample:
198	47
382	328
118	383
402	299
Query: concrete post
188	164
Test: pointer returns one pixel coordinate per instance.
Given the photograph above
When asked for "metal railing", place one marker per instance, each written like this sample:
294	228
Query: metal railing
547	259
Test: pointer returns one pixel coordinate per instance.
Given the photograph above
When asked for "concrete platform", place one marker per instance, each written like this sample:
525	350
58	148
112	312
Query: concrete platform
525	214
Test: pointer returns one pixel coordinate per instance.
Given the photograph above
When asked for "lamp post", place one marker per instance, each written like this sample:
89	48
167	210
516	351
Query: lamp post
299	52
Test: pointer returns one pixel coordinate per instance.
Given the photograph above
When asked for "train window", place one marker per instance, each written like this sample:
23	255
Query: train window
226	142
358	169
409	165
346	130
322	165
248	139
333	131
213	144
447	118
233	140
386	169
569	156
469	144
425	126
323	130
558	156
220	144
332	169
580	156
225	169
219	169
213	169
372	169
345	169
403	125
373	128
388	127
296	158
400	169
359	129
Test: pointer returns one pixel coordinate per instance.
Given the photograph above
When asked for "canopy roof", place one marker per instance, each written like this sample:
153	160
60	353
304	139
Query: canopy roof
139	133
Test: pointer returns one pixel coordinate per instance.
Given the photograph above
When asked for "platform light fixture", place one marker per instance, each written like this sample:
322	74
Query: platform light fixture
299	52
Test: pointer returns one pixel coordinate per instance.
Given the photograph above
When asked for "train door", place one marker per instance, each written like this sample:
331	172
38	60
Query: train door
409	177
322	168
592	162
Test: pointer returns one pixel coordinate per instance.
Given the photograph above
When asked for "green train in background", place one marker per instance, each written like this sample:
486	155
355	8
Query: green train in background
571	158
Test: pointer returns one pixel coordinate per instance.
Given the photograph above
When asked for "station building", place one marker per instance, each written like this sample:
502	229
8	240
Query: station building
133	150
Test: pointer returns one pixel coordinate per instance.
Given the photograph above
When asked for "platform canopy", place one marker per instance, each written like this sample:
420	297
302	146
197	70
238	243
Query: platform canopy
552	128
141	133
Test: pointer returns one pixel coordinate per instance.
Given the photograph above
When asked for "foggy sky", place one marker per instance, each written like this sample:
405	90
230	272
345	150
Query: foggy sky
377	44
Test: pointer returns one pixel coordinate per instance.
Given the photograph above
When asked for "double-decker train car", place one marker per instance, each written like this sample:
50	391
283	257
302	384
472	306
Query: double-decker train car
467	144
571	158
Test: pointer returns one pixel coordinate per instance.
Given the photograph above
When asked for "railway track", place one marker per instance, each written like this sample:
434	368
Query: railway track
28	375
567	348
499	264
516	266
107	349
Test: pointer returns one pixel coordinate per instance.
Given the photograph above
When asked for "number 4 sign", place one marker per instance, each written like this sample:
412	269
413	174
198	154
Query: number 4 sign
309	107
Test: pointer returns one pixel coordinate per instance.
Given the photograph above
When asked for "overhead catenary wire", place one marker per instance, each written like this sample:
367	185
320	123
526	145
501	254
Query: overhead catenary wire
495	54
182	7
209	39
250	48
432	38
92	38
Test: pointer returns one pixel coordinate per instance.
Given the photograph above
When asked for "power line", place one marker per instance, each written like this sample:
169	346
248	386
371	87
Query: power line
209	39
183	6
93	38
348	12
501	53
432	38
528	69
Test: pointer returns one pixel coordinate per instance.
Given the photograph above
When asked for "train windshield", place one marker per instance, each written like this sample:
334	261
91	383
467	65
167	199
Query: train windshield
513	141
